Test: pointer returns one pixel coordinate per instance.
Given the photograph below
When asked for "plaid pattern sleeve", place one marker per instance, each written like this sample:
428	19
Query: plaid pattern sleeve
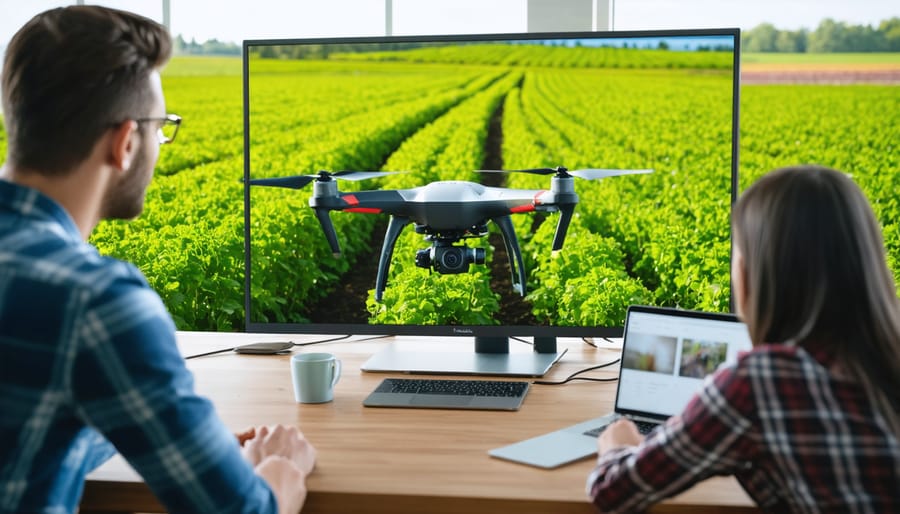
89	366
710	437
796	436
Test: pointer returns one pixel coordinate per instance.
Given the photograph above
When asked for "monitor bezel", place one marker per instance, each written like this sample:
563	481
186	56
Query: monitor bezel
462	330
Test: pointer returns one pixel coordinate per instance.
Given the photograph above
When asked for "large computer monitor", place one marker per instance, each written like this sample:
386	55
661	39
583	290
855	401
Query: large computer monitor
459	244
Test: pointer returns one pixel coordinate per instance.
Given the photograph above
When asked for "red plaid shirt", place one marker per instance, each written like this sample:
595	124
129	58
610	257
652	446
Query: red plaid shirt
798	438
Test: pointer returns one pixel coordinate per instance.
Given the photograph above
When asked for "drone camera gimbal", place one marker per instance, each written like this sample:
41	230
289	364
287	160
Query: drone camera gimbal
445	258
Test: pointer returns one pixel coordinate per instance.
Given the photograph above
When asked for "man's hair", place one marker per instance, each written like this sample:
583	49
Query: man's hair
816	276
72	73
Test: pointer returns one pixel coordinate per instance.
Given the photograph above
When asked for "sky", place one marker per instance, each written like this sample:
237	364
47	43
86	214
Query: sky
236	20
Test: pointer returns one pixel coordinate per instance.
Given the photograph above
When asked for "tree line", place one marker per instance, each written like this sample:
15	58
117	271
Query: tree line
208	47
829	36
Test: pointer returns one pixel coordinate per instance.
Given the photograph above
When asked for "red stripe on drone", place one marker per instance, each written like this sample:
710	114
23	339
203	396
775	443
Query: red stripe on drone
352	200
529	208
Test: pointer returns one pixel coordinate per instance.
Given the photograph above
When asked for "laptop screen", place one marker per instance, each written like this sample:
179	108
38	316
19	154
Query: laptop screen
667	353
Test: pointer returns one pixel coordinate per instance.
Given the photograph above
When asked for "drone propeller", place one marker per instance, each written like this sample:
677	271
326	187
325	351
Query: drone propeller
589	173
595	173
300	181
564	191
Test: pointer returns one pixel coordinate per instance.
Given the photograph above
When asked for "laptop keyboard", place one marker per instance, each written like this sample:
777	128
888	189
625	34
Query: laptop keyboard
642	426
448	394
485	388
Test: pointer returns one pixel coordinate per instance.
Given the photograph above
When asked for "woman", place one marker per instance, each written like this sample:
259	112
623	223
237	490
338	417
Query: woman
808	420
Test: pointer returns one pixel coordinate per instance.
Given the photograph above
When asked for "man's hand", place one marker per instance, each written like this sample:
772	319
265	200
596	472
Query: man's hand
283	458
278	441
621	432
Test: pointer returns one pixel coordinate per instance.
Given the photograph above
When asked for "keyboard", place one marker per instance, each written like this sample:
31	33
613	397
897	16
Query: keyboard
448	394
642	426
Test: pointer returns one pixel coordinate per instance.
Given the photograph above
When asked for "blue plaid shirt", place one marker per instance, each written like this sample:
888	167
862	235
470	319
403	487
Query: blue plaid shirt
88	366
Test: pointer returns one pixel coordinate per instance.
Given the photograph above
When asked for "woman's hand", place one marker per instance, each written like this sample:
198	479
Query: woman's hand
621	432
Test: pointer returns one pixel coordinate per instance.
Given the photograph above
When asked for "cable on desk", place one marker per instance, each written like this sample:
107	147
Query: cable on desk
209	353
339	338
574	376
590	341
586	340
354	341
233	348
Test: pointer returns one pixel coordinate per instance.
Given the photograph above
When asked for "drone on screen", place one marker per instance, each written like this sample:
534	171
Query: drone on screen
446	212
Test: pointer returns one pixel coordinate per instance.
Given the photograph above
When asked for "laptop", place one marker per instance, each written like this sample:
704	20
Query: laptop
666	355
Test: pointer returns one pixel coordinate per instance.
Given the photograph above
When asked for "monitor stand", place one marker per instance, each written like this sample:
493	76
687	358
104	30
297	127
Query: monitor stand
491	357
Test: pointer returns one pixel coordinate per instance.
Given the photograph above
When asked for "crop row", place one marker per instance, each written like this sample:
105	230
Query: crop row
447	149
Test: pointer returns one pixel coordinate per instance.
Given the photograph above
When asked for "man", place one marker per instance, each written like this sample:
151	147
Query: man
88	350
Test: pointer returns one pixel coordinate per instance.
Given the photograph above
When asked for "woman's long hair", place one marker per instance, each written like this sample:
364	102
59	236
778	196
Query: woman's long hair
816	276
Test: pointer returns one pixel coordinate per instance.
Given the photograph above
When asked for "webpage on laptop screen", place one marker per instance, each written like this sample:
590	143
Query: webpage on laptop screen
666	359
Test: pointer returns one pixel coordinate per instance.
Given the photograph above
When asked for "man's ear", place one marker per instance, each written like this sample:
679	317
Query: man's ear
124	143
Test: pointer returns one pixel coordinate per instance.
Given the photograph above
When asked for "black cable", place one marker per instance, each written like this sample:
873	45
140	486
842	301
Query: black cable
293	344
585	339
590	341
209	353
574	376
340	338
519	339
353	341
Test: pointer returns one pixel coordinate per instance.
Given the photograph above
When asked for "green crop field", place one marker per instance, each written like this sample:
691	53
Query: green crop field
667	247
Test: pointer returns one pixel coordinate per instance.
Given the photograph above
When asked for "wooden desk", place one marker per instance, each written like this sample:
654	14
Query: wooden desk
404	460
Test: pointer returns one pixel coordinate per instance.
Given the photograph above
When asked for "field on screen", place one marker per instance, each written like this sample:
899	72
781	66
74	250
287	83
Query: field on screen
660	238
429	111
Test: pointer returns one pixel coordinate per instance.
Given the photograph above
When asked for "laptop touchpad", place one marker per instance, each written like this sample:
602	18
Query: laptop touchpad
442	399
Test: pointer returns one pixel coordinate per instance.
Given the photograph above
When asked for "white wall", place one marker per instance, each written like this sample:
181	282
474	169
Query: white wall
568	15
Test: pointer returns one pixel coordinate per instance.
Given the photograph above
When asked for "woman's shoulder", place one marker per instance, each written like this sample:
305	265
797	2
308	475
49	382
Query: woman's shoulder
779	359
772	351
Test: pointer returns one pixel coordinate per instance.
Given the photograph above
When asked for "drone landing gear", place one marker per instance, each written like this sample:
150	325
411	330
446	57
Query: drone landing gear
516	266
395	227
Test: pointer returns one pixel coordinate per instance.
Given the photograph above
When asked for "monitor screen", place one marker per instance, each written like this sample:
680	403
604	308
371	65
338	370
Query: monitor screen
487	185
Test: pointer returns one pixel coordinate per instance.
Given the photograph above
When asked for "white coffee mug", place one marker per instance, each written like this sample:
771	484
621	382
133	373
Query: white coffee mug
314	376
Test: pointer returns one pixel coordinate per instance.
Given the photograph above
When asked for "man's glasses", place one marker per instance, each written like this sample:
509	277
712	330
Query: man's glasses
168	127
